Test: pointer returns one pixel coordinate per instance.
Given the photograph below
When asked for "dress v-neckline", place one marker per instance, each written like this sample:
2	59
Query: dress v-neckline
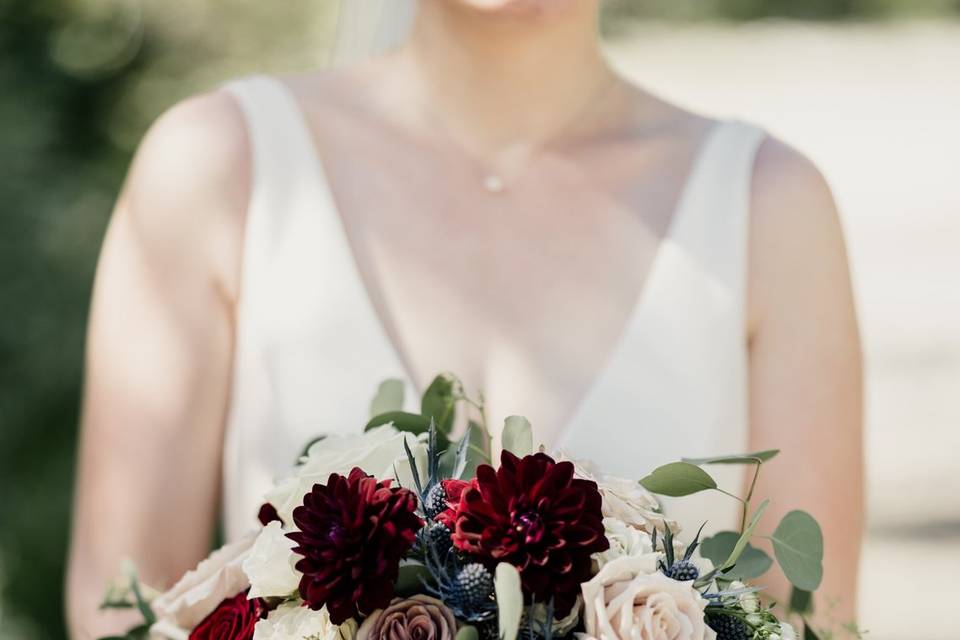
633	317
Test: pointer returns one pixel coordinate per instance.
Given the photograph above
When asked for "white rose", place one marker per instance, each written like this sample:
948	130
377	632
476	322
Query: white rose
626	500
378	452
630	599
293	621
199	592
787	631
269	565
624	541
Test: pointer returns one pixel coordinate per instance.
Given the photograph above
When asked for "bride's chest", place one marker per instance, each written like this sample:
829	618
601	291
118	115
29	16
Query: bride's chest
524	292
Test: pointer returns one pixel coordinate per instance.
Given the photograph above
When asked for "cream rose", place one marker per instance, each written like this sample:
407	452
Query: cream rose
269	565
626	500
624	541
379	452
630	599
199	591
293	621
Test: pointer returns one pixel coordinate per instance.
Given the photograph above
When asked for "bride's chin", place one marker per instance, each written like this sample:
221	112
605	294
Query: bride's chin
514	7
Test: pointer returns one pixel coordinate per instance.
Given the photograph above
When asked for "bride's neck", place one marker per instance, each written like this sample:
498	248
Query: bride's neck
503	80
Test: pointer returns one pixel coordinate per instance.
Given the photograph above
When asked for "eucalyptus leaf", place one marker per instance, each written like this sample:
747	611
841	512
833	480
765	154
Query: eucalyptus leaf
306	449
741	458
389	397
678	479
402	420
467	632
439	403
509	600
517	436
410	579
798	546
753	562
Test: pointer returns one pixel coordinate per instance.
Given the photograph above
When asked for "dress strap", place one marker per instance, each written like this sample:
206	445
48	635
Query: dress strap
284	164
713	223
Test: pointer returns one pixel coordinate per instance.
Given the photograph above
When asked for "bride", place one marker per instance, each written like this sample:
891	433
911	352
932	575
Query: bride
488	198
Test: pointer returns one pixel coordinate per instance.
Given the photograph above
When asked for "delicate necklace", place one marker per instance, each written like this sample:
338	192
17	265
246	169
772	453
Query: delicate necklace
492	180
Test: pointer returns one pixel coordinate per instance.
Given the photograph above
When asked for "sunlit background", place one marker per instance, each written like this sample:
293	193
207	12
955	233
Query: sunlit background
869	88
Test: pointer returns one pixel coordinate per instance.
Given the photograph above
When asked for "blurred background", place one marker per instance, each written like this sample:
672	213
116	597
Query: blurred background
870	89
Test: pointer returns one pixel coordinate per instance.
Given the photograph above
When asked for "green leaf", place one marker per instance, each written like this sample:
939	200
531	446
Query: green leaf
801	601
439	403
389	397
753	562
517	436
401	420
306	449
678	479
742	458
798	546
410	579
467	632
745	536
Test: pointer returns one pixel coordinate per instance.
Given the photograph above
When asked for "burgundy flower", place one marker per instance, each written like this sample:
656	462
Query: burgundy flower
533	514
352	535
453	491
233	619
267	514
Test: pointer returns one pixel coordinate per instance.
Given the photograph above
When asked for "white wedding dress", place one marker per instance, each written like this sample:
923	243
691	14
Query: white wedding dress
310	347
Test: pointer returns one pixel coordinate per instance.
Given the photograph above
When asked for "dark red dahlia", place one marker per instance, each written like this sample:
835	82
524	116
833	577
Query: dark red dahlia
533	514
352	533
233	619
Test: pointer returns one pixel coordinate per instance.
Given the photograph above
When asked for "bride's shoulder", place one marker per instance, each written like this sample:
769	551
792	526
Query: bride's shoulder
188	185
797	252
789	192
196	149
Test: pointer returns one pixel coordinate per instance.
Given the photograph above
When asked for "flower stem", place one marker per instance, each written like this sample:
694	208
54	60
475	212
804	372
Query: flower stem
746	503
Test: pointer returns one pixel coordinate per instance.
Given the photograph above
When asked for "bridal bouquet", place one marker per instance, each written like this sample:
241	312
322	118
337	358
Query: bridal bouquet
401	533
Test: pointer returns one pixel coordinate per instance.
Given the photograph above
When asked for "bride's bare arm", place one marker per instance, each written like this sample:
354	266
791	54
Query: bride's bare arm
158	358
805	366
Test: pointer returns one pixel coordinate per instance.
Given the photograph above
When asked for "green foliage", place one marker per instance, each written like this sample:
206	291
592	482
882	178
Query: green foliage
402	420
752	563
619	11
678	479
517	436
389	397
798	547
439	402
467	632
757	457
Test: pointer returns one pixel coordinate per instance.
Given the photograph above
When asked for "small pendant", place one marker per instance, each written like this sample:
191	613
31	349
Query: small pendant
493	183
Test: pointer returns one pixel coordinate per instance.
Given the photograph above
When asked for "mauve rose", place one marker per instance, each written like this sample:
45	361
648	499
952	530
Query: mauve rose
233	619
419	617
